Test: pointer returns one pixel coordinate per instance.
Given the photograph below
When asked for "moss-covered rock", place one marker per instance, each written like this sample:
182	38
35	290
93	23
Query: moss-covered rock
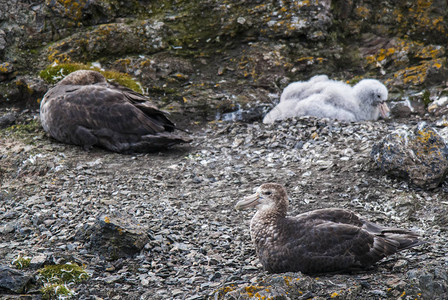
21	262
418	156
65	273
114	236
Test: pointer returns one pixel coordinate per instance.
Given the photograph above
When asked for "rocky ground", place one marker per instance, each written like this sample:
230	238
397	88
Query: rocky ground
237	54
199	245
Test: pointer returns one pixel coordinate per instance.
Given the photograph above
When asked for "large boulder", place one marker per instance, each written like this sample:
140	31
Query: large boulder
419	156
14	281
113	236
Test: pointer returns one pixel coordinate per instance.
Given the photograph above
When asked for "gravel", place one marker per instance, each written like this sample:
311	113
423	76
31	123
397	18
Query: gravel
184	198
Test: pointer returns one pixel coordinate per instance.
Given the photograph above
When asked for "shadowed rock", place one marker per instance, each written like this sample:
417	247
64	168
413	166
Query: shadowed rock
12	280
7	120
114	236
419	156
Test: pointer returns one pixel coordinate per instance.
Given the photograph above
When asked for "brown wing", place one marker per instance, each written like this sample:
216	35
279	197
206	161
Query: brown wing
328	247
97	107
142	102
333	215
336	239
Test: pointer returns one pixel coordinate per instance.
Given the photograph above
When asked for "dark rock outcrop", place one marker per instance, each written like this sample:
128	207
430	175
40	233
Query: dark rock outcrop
432	282
12	280
420	156
7	120
113	237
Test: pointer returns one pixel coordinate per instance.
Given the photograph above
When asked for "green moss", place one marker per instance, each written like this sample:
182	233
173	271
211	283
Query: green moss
55	73
30	127
56	291
27	132
21	262
24	130
123	79
55	279
426	98
67	273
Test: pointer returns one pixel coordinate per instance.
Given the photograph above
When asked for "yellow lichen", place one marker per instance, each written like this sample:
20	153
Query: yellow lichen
5	67
416	75
72	8
418	17
251	290
333	295
362	12
287	280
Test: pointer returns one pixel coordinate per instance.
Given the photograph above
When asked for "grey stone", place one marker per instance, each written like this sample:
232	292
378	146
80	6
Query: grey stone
419	156
7	120
401	109
2	40
12	280
38	261
114	236
7	228
431	282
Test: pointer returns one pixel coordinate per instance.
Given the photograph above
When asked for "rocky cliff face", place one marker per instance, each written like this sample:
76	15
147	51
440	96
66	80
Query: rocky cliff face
216	56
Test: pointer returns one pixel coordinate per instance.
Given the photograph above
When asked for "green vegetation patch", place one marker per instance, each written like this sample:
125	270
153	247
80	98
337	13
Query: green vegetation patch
21	262
56	291
55	72
57	278
66	273
26	131
32	126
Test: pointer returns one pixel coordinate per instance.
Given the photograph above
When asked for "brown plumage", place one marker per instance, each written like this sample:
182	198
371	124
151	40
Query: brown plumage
319	241
84	109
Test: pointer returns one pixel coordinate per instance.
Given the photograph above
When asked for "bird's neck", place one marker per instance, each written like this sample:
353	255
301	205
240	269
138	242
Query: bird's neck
270	215
265	224
369	112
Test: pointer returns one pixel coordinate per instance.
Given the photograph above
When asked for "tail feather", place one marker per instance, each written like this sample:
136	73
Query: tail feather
390	241
405	241
393	237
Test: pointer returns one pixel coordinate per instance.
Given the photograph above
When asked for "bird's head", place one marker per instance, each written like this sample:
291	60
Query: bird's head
268	197
83	77
374	93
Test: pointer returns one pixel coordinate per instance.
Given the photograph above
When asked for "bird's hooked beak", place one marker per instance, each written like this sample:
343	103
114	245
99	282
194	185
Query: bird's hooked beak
249	201
384	110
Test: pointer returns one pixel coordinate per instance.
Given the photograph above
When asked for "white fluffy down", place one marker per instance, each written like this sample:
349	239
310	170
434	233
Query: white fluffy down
325	98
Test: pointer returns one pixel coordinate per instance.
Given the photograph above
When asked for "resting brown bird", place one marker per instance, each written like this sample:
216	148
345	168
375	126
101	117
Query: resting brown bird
85	109
319	241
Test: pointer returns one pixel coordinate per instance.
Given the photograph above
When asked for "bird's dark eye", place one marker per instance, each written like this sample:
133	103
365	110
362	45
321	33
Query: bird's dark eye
267	193
379	96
